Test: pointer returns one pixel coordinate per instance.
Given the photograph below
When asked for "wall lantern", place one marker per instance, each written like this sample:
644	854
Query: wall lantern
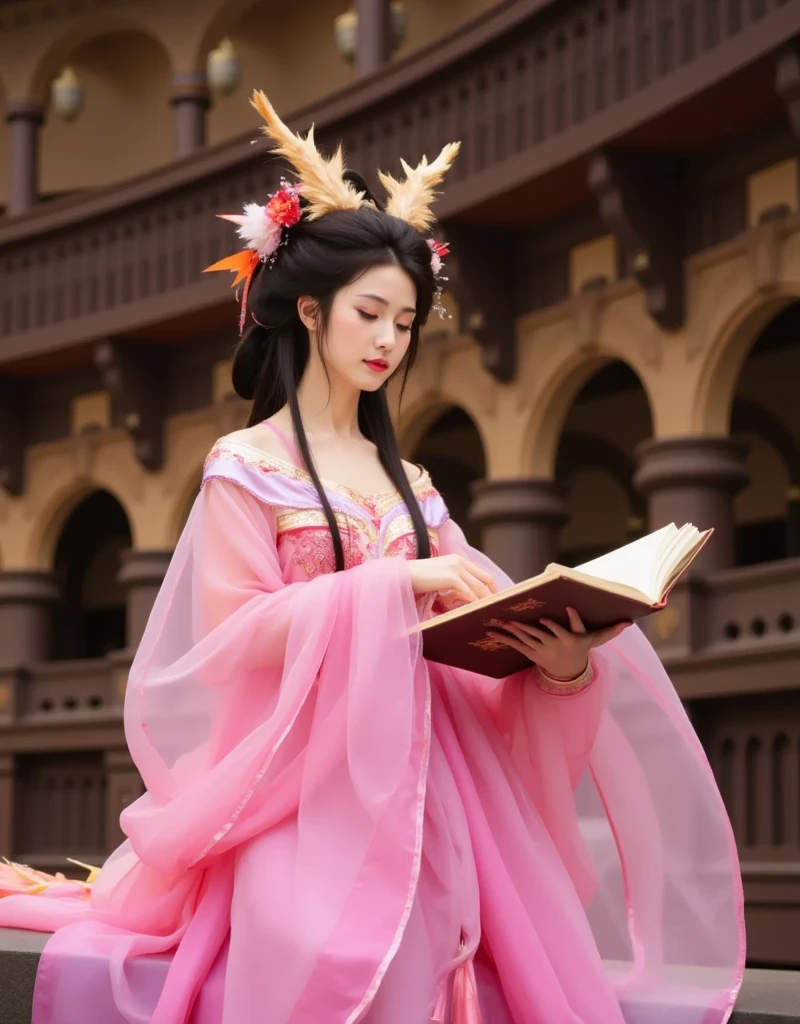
66	96
346	30
223	69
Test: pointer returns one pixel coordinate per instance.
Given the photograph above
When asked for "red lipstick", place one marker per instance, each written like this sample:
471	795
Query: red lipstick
378	365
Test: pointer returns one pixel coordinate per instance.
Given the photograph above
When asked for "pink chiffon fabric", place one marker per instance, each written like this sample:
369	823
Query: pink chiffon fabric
336	830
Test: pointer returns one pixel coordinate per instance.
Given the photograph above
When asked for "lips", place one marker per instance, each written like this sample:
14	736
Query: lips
378	365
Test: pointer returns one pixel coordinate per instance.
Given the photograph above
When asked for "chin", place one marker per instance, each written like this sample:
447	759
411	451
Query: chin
371	381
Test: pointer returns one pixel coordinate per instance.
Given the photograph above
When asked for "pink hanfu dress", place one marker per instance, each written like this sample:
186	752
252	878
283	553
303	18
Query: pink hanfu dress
335	830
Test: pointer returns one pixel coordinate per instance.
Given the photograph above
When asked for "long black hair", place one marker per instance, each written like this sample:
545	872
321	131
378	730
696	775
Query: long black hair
319	258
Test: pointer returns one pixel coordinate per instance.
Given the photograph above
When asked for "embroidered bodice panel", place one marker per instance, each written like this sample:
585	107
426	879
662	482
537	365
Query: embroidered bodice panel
371	526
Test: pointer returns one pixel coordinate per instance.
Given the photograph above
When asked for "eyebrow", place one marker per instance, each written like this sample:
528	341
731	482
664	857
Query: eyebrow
383	302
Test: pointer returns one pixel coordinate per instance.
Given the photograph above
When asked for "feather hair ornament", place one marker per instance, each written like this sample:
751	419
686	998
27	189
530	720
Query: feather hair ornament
320	181
411	200
263	228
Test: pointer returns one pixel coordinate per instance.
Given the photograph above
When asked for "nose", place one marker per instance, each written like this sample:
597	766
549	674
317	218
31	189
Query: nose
387	335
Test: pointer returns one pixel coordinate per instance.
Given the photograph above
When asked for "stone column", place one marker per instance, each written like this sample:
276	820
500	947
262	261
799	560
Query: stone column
372	38
190	101
24	118
26	600
694	480
520	520
142	574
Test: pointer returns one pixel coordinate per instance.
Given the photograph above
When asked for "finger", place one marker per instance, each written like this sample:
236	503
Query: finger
575	621
604	635
517	645
476	584
483	576
532	631
558	631
531	641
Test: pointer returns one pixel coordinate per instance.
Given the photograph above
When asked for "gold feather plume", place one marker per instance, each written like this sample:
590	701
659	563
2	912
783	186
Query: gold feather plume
411	200
320	179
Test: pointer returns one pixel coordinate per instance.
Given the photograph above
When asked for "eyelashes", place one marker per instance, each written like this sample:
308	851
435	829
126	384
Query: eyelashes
371	317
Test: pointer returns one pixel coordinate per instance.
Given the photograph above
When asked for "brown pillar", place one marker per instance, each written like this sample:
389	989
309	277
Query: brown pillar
520	520
190	102
26	600
123	786
372	37
142	574
694	480
6	805
25	118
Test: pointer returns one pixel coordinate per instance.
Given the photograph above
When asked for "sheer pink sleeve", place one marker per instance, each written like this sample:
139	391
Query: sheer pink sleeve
627	795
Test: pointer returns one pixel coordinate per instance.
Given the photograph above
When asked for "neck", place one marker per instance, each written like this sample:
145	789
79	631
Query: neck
328	405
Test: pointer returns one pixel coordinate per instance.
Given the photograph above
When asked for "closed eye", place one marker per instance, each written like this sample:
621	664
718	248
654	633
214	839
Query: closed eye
370	317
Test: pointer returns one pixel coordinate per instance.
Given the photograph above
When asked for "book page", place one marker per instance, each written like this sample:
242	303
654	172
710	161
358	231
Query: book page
649	564
638	564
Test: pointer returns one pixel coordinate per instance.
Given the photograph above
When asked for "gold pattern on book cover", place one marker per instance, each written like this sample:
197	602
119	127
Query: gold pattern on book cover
527	606
488	644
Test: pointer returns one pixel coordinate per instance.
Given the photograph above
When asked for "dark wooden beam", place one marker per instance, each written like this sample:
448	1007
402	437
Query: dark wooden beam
638	195
480	271
13	434
787	82
133	374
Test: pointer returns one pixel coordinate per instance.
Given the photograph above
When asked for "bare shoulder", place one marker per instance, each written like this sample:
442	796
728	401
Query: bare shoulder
257	436
414	472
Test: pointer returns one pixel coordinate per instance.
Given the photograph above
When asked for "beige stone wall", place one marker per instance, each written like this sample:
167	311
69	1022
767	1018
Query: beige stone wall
688	383
126	53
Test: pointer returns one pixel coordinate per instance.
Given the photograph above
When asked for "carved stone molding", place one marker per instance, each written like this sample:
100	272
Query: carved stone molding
13	435
765	248
638	195
588	308
133	374
481	271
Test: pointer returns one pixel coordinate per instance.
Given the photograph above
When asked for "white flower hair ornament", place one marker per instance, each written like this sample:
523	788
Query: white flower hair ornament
263	228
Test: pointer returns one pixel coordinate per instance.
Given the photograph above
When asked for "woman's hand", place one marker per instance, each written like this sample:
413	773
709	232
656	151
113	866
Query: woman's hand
562	654
454	578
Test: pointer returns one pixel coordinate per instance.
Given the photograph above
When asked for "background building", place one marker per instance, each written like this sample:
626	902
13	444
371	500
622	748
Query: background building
624	348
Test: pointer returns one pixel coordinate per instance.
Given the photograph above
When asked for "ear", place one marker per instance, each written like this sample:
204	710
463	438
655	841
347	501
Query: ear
308	311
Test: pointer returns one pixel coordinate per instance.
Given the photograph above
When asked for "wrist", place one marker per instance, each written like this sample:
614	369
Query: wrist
555	684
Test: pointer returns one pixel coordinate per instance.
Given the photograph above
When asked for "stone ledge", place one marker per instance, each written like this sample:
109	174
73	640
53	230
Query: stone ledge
767	997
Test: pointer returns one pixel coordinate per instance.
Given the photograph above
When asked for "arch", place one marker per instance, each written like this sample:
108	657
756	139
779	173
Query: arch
578	451
90	619
419	415
44	536
77	34
454	467
727	354
225	14
749	417
544	426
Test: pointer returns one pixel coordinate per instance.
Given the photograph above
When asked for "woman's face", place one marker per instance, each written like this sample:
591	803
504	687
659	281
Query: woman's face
369	329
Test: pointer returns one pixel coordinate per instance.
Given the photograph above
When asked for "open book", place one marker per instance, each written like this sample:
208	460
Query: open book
622	586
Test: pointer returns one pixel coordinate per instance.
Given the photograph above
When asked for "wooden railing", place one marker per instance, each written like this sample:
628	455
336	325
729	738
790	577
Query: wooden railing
527	88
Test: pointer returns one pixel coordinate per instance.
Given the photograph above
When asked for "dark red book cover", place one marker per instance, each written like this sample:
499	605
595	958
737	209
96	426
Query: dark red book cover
462	641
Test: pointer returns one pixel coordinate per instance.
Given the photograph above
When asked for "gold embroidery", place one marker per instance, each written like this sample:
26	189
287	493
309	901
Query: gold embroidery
494	624
527	606
488	644
306	530
378	503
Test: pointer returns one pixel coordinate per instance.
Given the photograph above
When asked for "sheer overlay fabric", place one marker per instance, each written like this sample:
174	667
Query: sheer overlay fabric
336	830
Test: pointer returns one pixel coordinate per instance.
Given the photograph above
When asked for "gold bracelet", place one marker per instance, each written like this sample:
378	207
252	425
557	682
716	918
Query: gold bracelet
550	684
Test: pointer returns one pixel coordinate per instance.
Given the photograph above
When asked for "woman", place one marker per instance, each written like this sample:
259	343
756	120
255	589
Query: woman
335	830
